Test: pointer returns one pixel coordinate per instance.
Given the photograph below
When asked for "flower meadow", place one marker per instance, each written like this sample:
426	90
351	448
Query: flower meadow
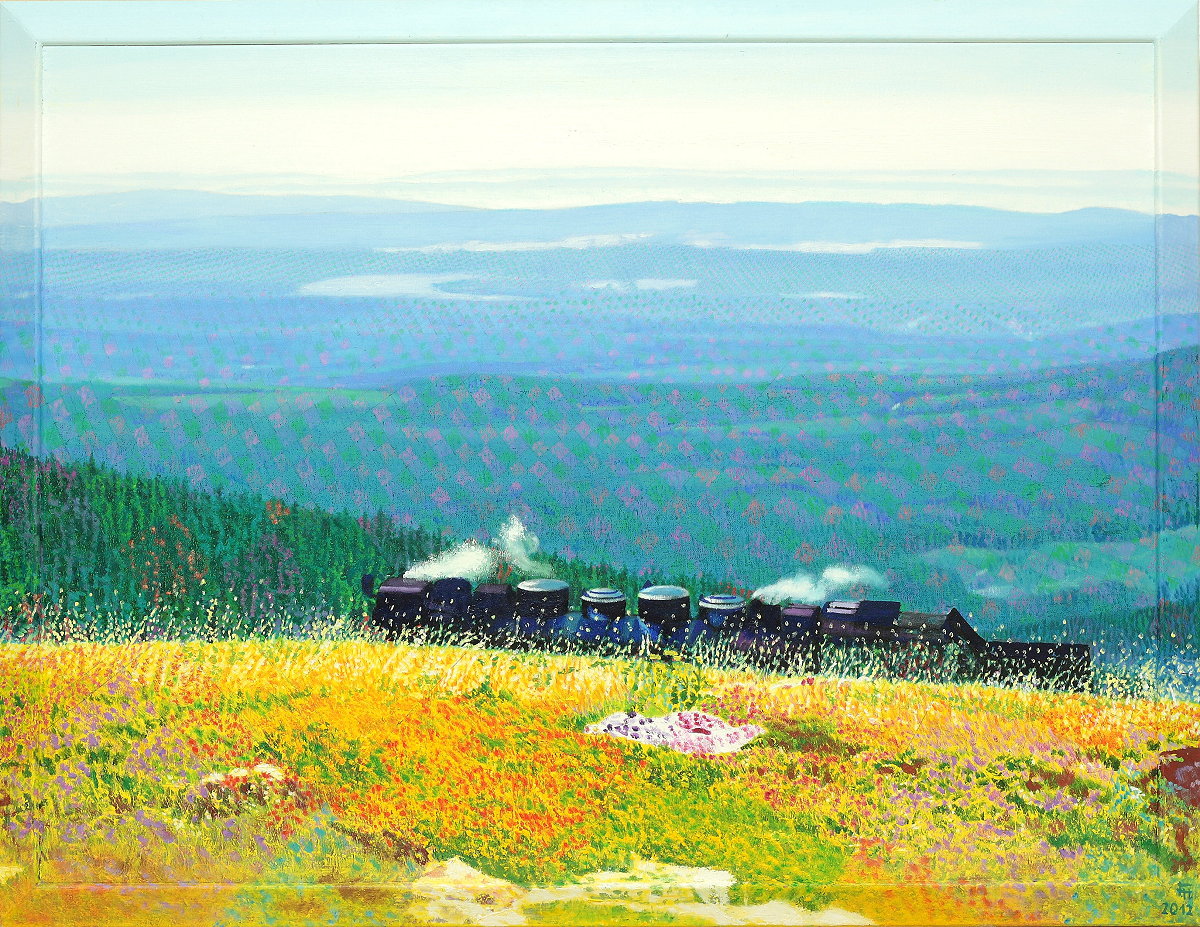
280	781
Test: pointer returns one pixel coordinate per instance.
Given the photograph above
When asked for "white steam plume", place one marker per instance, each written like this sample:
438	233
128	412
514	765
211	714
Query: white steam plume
813	590
518	545
469	561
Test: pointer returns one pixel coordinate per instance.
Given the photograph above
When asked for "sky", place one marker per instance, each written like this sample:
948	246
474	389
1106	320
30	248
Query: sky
1034	126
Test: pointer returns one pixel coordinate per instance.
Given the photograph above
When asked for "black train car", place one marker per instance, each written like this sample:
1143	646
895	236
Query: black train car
1055	666
400	606
540	605
447	602
492	609
1045	665
866	618
791	638
800	631
665	613
928	637
781	638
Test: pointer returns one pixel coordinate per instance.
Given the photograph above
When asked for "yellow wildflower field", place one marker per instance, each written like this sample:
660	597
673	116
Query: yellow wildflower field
290	782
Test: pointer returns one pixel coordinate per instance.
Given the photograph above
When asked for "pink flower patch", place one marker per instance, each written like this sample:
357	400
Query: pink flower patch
685	731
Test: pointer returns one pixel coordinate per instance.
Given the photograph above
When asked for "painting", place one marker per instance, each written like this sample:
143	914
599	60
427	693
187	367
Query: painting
510	466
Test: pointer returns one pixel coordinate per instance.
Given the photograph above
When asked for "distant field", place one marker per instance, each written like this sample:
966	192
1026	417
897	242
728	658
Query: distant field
961	490
904	803
993	409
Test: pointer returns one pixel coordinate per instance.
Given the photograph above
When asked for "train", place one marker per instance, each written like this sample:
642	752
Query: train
787	637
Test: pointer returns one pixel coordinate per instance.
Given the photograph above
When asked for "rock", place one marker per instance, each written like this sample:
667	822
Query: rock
450	911
710	885
554	893
1181	770
779	913
453	892
719	914
1178	775
658	883
454	880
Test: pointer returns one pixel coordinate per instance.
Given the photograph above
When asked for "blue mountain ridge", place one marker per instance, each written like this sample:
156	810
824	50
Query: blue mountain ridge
192	219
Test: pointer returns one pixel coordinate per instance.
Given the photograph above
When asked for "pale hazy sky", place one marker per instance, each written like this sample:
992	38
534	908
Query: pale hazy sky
570	124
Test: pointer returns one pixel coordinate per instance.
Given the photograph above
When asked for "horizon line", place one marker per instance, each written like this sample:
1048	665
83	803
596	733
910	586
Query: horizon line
446	206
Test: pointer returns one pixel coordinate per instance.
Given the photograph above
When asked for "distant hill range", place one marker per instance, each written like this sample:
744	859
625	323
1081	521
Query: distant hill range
195	219
671	276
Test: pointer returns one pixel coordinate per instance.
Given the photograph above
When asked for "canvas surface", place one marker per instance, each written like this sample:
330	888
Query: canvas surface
850	371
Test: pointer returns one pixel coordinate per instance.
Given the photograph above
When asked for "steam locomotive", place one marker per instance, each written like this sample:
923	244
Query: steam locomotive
790	637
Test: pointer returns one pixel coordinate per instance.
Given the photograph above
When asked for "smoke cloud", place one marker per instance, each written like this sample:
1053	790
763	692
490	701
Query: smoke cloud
518	544
469	561
473	561
813	590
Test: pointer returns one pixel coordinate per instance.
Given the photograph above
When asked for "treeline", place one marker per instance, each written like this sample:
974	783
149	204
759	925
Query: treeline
99	553
89	552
